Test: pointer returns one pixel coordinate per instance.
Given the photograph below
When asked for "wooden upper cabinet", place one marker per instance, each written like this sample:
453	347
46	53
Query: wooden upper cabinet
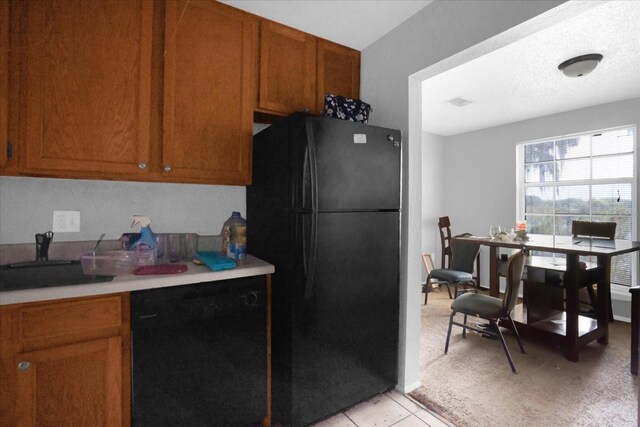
338	71
85	86
4	82
152	90
209	92
287	69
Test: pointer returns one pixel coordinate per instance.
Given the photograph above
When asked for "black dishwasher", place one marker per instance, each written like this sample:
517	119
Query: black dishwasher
199	354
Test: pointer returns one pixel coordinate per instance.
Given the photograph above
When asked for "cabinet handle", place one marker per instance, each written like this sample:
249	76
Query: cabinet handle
142	165
167	168
24	365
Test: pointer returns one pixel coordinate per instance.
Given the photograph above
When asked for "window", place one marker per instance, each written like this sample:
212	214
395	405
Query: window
587	177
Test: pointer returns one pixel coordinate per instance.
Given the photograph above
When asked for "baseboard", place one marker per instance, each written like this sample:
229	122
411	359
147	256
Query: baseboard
408	388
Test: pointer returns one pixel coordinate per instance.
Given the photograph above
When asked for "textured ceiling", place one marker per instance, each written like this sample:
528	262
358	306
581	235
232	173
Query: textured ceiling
521	81
352	23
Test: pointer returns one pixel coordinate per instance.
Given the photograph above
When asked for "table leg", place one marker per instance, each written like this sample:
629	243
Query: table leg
494	280
572	309
603	297
635	331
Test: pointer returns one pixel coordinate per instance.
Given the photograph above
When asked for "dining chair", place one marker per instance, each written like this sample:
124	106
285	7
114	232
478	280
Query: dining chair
460	272
444	227
590	276
491	309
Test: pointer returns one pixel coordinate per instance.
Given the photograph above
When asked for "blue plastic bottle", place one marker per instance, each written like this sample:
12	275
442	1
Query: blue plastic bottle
147	242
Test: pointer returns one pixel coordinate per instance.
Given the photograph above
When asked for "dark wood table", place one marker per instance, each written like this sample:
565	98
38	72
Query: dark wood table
571	329
635	329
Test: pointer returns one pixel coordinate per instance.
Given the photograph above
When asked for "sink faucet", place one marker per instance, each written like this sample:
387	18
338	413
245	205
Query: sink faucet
42	245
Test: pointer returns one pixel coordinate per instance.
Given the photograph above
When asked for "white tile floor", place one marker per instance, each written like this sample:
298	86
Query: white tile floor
390	409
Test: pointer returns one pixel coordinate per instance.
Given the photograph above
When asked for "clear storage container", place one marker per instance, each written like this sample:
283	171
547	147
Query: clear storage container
114	263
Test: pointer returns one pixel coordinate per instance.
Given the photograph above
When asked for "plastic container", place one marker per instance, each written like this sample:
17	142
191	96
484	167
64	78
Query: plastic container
234	237
114	263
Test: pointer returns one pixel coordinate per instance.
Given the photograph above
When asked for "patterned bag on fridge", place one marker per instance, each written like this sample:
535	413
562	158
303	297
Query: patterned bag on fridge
339	107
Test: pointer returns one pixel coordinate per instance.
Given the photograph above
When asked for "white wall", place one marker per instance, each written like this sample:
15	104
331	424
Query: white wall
440	30
434	175
27	205
489	186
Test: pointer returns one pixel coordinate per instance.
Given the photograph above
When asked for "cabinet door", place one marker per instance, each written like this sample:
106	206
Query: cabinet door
85	87
338	71
72	385
209	92
287	69
4	81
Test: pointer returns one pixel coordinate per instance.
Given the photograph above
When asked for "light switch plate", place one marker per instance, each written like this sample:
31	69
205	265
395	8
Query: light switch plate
66	222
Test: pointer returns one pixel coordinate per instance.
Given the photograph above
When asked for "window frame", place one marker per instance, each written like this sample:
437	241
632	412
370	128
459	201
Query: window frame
521	187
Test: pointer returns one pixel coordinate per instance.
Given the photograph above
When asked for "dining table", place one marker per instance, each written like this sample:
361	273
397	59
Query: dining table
565	325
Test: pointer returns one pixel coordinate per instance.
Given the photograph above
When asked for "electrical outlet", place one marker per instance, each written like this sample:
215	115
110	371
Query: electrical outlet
66	222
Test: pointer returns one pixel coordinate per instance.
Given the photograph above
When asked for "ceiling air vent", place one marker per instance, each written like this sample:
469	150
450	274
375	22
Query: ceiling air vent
460	102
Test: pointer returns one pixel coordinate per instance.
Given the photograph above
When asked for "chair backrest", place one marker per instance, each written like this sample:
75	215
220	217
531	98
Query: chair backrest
515	268
463	255
605	230
445	240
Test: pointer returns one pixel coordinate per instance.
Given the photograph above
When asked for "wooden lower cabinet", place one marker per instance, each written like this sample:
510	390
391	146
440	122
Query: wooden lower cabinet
78	375
73	385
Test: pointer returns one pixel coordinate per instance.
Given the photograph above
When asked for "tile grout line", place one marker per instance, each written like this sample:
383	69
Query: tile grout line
408	416
399	403
349	418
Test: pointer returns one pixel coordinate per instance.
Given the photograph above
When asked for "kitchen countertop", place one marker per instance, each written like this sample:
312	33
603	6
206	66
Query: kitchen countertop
252	266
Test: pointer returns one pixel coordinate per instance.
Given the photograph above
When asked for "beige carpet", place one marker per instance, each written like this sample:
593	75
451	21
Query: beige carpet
473	386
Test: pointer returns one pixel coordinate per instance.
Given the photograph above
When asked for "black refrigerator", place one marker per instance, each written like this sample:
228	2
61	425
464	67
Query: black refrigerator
324	208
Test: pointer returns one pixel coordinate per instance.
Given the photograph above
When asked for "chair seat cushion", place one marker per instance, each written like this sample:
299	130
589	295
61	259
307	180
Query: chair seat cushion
447	275
478	305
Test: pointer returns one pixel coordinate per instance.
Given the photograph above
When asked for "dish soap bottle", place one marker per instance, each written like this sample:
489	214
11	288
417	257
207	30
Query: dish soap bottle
234	237
146	244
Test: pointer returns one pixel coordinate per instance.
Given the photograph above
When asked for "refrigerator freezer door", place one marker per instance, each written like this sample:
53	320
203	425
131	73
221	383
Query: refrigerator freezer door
345	334
355	166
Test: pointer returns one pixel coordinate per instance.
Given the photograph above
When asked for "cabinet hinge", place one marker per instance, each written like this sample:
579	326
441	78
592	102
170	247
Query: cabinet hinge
9	150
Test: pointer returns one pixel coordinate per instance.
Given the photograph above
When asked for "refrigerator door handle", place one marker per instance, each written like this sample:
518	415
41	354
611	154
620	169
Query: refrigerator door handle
310	264
311	179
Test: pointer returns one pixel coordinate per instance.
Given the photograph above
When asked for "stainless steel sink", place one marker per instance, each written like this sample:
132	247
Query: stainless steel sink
44	274
47	263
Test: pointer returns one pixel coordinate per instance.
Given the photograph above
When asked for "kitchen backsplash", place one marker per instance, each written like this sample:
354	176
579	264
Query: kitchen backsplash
19	252
27	205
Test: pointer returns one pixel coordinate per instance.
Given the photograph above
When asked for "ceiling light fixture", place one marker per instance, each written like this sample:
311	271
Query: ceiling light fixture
459	102
580	65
